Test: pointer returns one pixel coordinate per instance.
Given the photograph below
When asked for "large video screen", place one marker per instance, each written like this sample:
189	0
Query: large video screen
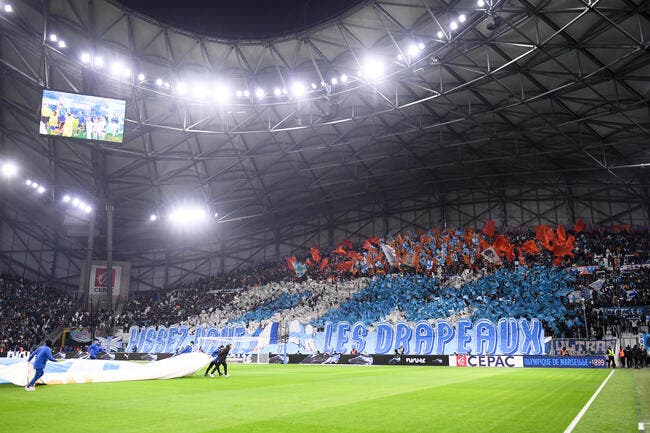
82	116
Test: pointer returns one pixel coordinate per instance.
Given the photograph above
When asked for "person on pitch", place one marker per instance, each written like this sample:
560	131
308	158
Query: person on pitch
41	355
221	360
213	363
94	350
186	349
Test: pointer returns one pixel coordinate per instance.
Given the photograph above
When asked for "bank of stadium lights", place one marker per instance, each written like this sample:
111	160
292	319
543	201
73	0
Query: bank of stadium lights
56	40
91	60
77	203
8	8
119	69
40	189
260	93
153	217
9	169
189	215
372	69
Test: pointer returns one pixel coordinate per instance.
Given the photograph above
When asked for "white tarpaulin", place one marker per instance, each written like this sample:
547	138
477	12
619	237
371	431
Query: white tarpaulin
88	371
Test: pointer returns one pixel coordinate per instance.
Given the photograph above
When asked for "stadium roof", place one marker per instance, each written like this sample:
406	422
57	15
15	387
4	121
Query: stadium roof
386	102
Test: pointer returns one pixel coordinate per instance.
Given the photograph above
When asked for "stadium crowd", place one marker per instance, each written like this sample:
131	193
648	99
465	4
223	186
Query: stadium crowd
408	276
29	312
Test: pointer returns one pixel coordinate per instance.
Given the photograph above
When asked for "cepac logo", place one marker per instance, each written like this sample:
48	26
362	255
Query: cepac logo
461	361
101	277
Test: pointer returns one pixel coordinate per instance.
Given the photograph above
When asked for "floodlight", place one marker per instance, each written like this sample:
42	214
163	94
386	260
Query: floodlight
141	77
9	169
313	86
28	182
85	58
239	93
81	205
421	46
75	201
8	8
298	89
453	25
62	44
53	37
277	91
187	215
323	83
440	34
344	78
199	90
167	85
260	93
373	68
284	91
87	209
181	88
400	57
153	217
480	3
34	185
98	62
462	18
221	93
40	190
66	198
334	81
247	93
413	50
159	82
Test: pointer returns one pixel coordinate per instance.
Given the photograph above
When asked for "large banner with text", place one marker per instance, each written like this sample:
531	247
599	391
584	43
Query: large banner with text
508	336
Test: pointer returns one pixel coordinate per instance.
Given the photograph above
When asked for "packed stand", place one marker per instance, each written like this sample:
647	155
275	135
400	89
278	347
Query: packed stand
29	312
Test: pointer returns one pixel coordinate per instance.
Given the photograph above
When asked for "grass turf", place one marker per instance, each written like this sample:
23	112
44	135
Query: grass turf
295	398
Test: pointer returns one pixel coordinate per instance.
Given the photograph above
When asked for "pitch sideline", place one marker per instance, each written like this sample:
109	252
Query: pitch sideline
584	409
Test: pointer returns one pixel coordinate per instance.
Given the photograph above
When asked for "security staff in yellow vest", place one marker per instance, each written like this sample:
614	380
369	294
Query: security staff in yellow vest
611	362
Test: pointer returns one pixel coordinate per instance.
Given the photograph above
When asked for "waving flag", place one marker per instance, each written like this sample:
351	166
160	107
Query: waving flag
300	269
389	253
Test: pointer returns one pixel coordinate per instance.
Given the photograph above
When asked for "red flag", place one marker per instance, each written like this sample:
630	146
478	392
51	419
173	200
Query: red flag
324	263
346	243
367	245
489	229
530	247
291	261
504	248
339	250
579	226
315	254
561	234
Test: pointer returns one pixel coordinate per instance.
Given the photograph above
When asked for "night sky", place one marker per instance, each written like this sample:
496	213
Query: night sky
242	18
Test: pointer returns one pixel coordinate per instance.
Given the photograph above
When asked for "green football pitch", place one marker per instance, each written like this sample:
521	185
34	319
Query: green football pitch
297	398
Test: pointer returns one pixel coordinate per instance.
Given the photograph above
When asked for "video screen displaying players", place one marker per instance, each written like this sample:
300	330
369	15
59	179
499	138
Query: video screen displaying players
82	116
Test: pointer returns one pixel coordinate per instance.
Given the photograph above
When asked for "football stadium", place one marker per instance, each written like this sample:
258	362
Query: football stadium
325	216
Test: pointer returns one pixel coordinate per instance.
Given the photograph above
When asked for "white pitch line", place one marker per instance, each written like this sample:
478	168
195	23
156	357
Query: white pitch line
641	426
584	409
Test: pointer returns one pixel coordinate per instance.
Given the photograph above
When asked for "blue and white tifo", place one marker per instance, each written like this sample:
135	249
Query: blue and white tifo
508	336
86	371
